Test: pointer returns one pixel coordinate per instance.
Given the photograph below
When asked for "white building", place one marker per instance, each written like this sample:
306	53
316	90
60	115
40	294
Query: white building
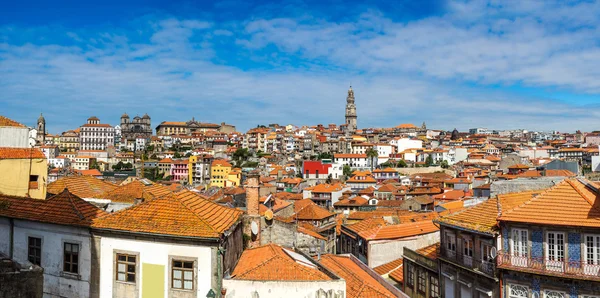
406	143
14	134
355	161
257	275
53	234
96	136
140	258
60	161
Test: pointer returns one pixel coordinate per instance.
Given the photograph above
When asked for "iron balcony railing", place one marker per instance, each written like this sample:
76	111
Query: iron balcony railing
550	266
475	263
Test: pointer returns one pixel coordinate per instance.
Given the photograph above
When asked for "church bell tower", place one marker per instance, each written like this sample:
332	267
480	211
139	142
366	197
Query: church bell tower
350	112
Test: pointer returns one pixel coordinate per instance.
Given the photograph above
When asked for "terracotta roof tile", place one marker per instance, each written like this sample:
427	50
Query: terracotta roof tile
21	153
220	162
569	203
354	201
431	251
307	210
181	214
64	208
399	231
81	186
398	274
4	121
274	263
388	267
327	188
359	283
136	190
482	217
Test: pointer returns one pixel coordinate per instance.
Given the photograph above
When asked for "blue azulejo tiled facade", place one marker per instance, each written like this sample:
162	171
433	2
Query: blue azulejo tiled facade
549	261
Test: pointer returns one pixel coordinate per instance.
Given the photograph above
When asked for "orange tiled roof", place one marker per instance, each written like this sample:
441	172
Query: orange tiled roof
4	121
431	251
273	263
388	267
569	203
172	123
327	188
482	217
398	274
166	160
136	190
406	125
354	201
21	153
549	173
519	166
450	195
386	170
367	179
305	229
387	188
307	210
399	230
91	172
81	186
359	283
220	162
182	214
64	208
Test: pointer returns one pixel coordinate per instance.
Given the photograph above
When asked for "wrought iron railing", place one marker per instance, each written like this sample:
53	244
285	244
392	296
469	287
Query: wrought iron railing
559	267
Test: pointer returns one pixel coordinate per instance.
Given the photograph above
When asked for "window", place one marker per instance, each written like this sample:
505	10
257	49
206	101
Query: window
486	252
126	268
71	258
517	291
34	251
410	275
450	242
518	249
592	254
33	178
182	275
468	247
434	287
553	294
555	251
421	281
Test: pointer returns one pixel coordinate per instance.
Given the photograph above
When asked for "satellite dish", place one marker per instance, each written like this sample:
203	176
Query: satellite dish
254	228
268	214
493	252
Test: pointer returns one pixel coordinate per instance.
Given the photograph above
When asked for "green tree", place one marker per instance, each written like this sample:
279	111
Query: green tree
372	154
429	160
128	166
188	154
176	155
153	156
444	164
94	165
347	171
118	166
324	155
402	164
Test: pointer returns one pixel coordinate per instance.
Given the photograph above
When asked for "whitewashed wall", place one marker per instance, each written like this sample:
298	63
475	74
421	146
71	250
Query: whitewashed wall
153	253
277	289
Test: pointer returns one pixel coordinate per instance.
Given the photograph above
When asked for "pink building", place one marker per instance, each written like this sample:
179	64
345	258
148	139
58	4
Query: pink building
179	170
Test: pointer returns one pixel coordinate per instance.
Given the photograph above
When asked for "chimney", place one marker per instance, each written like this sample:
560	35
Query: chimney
252	194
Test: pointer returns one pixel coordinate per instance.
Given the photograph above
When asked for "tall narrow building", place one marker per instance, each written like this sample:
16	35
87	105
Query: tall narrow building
350	112
41	130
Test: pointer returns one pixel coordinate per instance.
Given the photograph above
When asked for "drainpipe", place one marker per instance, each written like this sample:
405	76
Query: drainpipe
11	241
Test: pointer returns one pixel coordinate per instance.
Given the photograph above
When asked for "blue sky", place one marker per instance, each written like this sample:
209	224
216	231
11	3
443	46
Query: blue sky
495	64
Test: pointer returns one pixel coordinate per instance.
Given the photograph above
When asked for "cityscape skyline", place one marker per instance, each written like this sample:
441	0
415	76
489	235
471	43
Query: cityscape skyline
451	64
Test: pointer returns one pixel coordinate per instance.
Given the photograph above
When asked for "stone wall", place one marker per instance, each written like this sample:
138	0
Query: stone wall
523	184
18	282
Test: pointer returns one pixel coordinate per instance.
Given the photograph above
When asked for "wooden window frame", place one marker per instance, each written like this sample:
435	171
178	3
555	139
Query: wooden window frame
71	258
183	269
35	257
127	262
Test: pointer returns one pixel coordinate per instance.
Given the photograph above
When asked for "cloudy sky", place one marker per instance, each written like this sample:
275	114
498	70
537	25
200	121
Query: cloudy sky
497	64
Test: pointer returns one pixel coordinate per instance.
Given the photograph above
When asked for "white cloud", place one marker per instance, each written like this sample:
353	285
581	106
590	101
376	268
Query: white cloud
401	72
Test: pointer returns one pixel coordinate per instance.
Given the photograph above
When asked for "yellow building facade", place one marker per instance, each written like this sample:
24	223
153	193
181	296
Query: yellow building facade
219	173
23	172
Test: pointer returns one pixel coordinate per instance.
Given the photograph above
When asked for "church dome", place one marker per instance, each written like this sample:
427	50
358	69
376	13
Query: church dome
124	115
455	135
146	116
41	118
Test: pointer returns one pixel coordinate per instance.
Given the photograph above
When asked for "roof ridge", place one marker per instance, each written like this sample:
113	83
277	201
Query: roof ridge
273	256
579	192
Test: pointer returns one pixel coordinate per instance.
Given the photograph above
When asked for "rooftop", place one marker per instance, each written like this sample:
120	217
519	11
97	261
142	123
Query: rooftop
182	214
81	186
21	153
4	121
275	263
359	283
572	202
64	208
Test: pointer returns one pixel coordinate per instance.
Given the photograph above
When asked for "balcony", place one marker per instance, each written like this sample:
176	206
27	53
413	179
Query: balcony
473	263
559	268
